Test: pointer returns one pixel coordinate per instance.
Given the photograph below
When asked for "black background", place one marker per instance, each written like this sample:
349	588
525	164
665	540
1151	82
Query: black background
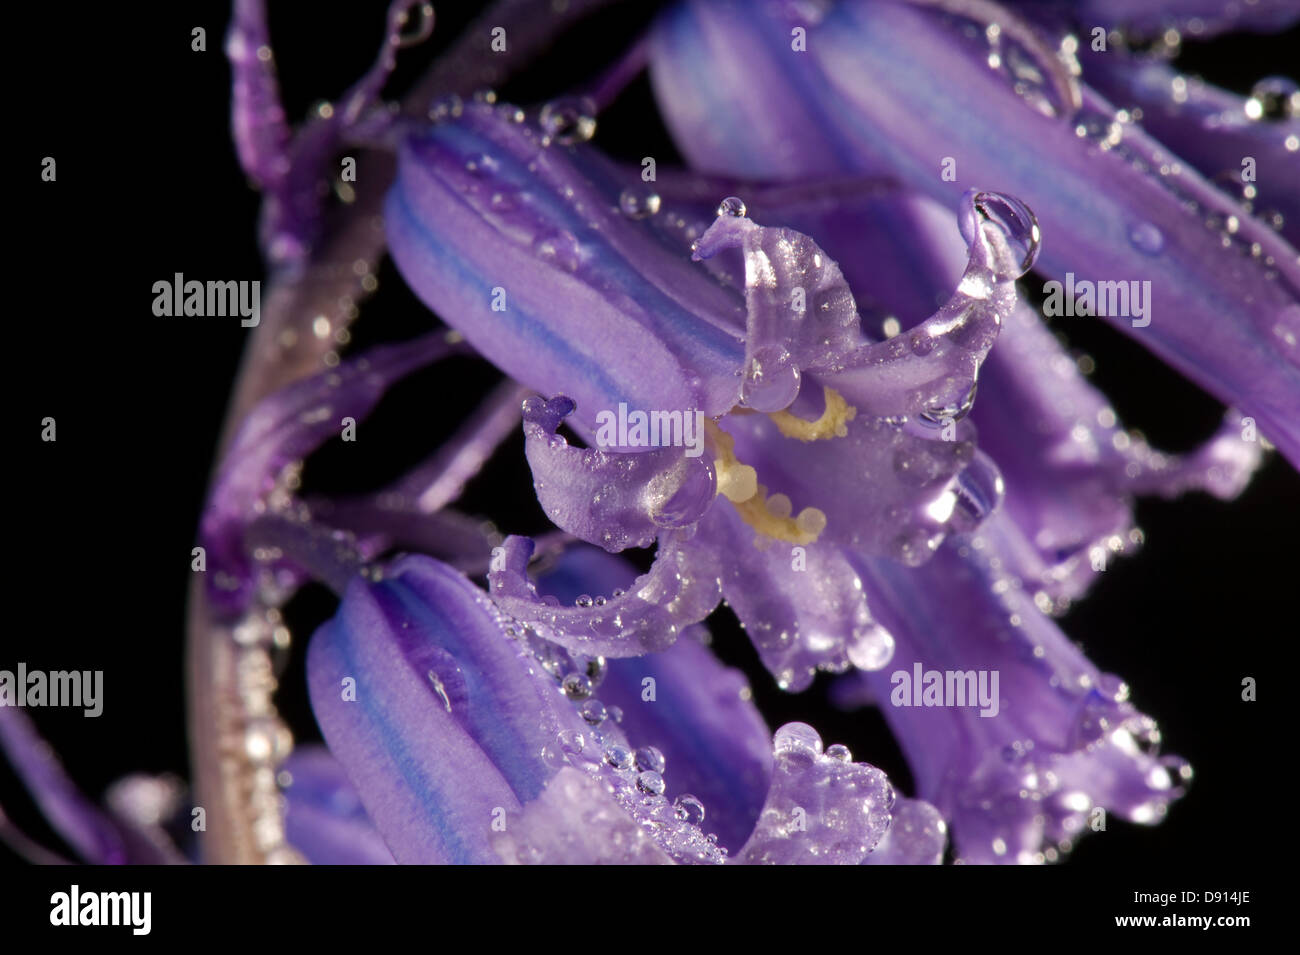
102	521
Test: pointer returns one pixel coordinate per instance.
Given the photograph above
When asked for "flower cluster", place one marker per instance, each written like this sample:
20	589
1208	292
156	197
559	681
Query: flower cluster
849	424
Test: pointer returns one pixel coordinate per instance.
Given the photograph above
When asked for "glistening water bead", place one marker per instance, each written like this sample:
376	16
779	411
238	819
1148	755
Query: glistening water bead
650	759
732	206
577	686
593	711
650	783
618	756
569	119
689	809
638	202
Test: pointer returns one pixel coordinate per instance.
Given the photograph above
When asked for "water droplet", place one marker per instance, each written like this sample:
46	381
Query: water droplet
937	417
560	247
684	495
553	756
650	783
638	202
593	711
618	756
571	742
569	119
1018	224
731	206
797	743
1146	238
583	601
577	686
771	379
689	809
872	647
650	759
839	751
1272	99
979	489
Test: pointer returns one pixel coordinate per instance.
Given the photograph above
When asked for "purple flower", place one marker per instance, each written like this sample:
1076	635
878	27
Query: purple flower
472	738
907	90
801	369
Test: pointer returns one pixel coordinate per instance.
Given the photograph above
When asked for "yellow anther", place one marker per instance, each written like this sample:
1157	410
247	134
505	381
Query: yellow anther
832	424
770	516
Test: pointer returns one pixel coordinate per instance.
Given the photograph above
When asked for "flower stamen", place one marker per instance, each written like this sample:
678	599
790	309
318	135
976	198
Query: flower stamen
833	422
738	483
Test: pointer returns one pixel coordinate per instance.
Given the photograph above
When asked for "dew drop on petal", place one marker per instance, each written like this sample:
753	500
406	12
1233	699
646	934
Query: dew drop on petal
1272	99
619	756
731	206
872	648
650	783
649	758
839	751
689	809
1146	238
638	202
577	686
593	711
569	119
797	742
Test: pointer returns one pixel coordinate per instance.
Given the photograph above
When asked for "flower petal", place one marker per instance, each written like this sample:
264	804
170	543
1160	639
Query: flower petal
1015	785
1113	205
697	712
820	810
518	242
610	499
679	590
324	818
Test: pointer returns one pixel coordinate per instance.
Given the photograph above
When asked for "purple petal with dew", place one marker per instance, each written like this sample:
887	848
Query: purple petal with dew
576	821
700	716
917	835
434	715
803	607
1070	469
518	241
283	429
822	808
460	717
92	834
921	489
324	818
1061	738
801	314
1114	206
607	498
1249	146
934	367
679	590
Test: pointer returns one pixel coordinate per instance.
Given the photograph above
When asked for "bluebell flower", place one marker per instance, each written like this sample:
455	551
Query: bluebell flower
801	369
